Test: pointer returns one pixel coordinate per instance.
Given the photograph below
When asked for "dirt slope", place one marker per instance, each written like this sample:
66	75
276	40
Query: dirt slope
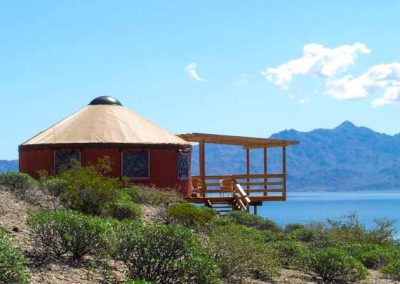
13	215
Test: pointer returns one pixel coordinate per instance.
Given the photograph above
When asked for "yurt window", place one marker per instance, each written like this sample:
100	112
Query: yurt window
183	165
63	159
136	164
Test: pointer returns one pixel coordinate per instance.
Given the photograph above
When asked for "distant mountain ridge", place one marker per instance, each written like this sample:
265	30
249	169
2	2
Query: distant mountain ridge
345	158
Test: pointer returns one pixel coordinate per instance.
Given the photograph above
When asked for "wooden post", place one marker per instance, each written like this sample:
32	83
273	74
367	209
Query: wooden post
284	171
202	167
265	170
248	169
255	209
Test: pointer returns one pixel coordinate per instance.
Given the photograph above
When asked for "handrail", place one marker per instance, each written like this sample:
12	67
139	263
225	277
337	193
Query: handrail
243	176
256	185
241	196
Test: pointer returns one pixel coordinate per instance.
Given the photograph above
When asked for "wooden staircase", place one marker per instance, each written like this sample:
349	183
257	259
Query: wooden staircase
239	200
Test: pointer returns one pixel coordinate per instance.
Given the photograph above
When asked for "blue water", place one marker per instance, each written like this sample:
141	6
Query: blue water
304	207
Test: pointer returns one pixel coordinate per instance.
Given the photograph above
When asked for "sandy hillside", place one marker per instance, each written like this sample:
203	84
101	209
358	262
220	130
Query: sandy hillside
14	212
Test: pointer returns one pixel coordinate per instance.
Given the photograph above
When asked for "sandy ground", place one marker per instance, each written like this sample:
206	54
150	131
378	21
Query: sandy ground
13	215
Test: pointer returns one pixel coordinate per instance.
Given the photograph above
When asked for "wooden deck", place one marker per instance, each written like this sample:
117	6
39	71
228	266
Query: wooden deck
239	191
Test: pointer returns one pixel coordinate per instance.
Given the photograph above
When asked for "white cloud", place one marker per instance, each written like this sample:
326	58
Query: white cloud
383	79
317	60
305	100
191	69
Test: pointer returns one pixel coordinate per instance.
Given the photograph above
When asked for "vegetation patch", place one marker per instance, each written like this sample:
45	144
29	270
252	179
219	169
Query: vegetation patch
12	268
332	265
253	221
371	255
392	270
190	216
166	254
241	252
153	196
56	233
17	182
289	252
349	230
124	208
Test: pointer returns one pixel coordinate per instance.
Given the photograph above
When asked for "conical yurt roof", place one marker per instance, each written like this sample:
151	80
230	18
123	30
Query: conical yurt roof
105	120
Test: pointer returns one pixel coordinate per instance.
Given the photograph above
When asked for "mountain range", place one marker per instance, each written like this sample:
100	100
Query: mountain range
346	158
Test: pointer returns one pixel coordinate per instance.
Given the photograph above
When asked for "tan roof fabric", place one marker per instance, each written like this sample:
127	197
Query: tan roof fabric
105	124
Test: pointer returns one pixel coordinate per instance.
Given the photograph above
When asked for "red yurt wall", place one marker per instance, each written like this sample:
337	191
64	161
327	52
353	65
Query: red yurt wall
163	165
31	162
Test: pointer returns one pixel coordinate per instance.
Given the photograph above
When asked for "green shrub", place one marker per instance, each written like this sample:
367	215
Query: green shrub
294	226
375	259
166	254
332	265
241	252
305	235
312	235
348	230
12	262
289	252
270	236
190	216
137	282
371	255
87	190
68	232
253	221
153	196
18	182
124	208
54	186
392	270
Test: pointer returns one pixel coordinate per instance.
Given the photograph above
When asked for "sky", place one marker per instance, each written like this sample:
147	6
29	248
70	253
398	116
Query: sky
231	67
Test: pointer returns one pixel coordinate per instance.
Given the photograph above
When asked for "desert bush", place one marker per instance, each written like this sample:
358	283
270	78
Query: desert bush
12	262
332	265
17	182
392	269
289	252
241	252
153	196
253	221
137	282
87	189
293	226
305	235
375	259
123	207
349	230
270	236
54	186
166	254
383	232
190	216
371	255
313	235
68	232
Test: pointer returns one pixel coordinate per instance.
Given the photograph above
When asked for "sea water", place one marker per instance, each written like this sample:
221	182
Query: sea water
305	207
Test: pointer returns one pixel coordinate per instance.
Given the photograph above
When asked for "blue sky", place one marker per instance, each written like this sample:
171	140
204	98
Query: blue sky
233	67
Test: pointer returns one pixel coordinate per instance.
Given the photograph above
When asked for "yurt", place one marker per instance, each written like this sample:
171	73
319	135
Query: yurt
138	149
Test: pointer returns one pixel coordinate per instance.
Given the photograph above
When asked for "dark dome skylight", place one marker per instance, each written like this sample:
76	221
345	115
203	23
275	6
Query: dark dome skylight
105	100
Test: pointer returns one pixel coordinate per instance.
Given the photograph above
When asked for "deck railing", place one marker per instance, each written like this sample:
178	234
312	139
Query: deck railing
254	185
